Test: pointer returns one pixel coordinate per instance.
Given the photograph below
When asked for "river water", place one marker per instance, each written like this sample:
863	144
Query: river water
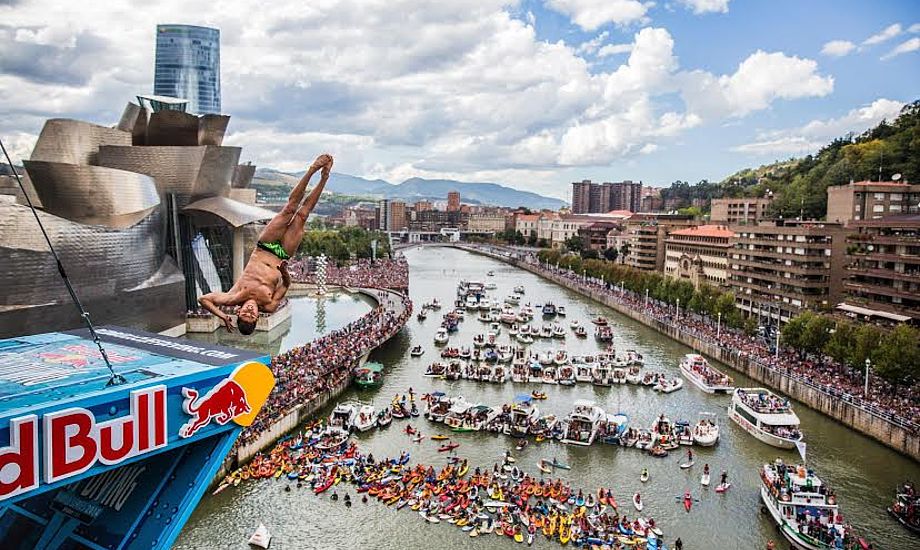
863	472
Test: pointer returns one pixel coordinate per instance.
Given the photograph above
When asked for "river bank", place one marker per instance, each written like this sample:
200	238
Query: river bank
895	436
397	303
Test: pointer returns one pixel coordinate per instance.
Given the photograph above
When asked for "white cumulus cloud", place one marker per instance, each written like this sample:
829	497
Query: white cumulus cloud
817	133
592	14
908	46
614	49
838	48
885	34
707	6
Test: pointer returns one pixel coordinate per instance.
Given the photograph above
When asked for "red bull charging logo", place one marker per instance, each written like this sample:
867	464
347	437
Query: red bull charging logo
237	398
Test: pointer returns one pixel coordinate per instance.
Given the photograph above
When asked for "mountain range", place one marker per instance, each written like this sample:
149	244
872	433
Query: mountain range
415	189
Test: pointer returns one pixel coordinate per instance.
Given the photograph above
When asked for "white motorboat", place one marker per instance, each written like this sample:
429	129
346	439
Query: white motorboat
456	416
668	386
574	323
499	374
603	333
560	311
417	351
546	331
366	418
523	413
261	538
505	354
583	373
441	337
343	416
698	371
513	299
513	330
545	358
549	374
618	376
471	303
525	338
438	407
519	289
561	358
802	505
495	328
766	416
567	375
507	318
582	423
435	304
634	375
491	286
600	375
706	430
558	331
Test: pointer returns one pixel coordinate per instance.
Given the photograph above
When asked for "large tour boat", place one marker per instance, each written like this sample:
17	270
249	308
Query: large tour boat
697	370
523	414
803	507
766	416
583	422
906	507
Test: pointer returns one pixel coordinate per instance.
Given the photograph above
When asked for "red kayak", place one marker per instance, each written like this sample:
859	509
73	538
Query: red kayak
448	447
688	501
325	485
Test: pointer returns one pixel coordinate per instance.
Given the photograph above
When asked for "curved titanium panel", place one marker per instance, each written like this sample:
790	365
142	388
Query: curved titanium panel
172	128
233	212
74	141
99	261
211	129
186	171
93	195
242	176
129	117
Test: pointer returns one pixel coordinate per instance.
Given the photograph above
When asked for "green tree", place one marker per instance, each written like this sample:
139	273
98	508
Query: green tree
532	238
575	243
610	254
897	358
542	243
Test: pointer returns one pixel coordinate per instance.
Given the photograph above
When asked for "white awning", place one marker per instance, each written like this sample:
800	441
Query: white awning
873	313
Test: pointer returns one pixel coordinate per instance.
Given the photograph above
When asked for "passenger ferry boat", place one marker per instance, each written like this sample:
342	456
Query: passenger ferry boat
697	370
582	423
178	408
549	309
766	416
803	507
369	375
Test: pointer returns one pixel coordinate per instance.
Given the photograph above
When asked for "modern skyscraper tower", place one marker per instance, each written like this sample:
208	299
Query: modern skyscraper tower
188	66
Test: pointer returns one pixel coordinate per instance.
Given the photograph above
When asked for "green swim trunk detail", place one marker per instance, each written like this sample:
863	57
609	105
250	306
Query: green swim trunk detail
275	248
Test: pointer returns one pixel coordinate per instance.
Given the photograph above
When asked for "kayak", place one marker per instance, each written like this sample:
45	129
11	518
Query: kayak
543	468
561	465
688	501
448	447
637	502
439	437
723	487
704	480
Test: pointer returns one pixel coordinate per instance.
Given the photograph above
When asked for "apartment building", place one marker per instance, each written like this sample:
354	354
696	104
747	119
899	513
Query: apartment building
646	238
698	254
871	200
741	211
882	278
778	269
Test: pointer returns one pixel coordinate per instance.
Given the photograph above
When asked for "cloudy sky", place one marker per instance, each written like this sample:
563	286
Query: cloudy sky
531	93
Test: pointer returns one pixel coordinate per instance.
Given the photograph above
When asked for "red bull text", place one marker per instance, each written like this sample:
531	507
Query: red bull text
73	441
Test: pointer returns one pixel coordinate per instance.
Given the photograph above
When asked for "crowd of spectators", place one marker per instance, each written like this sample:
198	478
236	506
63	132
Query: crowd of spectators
306	372
392	274
897	403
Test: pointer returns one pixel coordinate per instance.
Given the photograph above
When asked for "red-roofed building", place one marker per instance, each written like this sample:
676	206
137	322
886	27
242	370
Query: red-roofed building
699	254
871	200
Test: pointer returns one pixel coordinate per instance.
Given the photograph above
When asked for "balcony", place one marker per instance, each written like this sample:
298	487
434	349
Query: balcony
887	274
863	288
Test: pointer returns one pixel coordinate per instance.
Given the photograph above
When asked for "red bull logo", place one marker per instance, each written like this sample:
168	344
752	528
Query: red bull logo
237	398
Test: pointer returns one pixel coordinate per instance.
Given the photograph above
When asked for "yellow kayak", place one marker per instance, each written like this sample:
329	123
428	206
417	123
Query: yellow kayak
518	537
439	437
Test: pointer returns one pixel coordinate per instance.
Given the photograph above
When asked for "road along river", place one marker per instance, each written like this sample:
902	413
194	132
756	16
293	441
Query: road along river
863	472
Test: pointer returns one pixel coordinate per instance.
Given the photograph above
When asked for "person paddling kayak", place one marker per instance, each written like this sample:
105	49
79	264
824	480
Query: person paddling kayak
724	477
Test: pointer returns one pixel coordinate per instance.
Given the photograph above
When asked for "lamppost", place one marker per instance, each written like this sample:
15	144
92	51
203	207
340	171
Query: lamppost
866	385
621	287
584	276
777	339
677	311
646	298
719	326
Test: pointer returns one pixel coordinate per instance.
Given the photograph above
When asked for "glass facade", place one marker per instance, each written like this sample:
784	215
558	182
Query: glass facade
188	66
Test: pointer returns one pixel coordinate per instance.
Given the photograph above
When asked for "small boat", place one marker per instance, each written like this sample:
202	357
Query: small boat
366	418
490	273
560	311
369	375
688	501
422	314
538	394
644	476
906	500
261	538
439	437
560	465
549	310
706	431
441	336
600	321
581	332
541	465
637	502
519	289
417	351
